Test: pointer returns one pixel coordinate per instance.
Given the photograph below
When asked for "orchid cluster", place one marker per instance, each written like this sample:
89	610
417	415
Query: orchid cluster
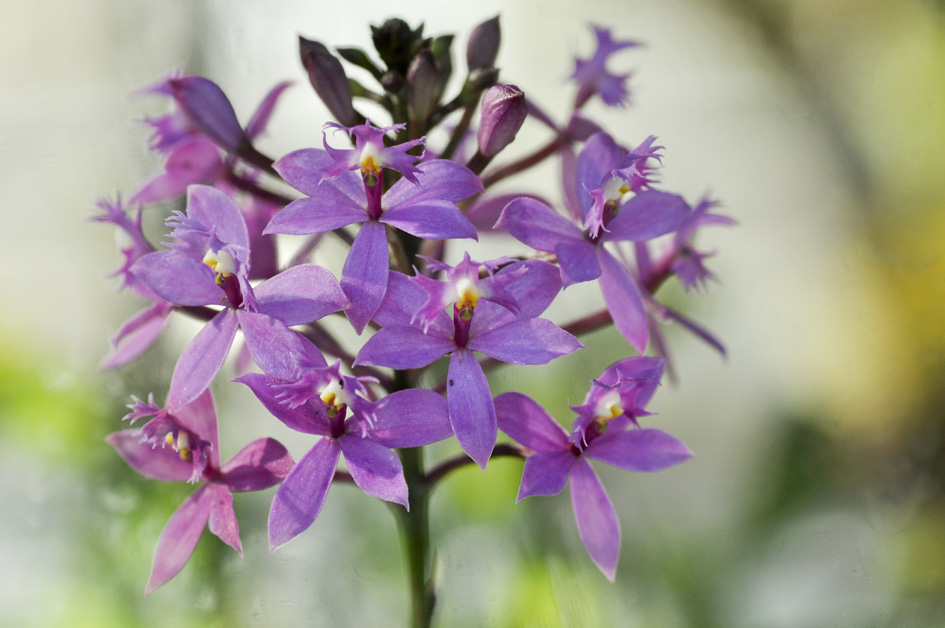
404	207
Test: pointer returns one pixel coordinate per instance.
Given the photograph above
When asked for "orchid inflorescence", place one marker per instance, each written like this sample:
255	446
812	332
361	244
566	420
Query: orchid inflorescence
403	207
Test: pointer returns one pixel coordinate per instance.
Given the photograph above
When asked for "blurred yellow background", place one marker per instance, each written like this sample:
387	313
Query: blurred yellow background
816	497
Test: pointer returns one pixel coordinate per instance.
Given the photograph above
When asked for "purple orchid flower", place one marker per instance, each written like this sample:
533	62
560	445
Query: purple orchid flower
592	76
369	154
182	445
208	264
422	204
606	429
322	401
193	151
618	206
415	333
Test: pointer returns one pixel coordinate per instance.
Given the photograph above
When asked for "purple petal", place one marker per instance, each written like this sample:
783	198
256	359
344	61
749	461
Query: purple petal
223	518
327	211
596	520
404	298
202	359
624	301
214	209
178	279
600	155
375	469
694	327
278	350
364	276
486	210
403	348
179	538
259	465
472	412
639	450
545	473
259	121
431	219
526	341
300	294
302	170
528	424
410	418
533	290
200	417
300	498
152	461
647	215
194	160
439	179
301	419
208	108
578	262
537	225
137	335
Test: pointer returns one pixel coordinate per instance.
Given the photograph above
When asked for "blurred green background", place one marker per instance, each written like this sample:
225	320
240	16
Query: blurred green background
816	495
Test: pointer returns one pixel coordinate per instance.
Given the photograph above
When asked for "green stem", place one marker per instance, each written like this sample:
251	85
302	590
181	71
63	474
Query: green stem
415	539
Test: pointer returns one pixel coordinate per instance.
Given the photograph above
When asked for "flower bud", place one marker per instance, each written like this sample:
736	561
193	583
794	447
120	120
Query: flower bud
396	43
208	109
327	76
483	46
423	83
503	112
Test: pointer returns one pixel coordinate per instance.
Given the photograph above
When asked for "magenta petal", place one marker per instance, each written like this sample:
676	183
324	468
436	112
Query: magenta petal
403	348
202	359
278	350
214	209
439	179
179	538
302	170
193	160
410	418
137	335
545	473
596	519
624	301
647	215
260	119
526	341
639	450
223	518
600	155
364	276
301	419
532	222
152	461
177	279
578	262
259	465
200	417
528	424
432	220
375	469
300	294
300	498
325	212
472	412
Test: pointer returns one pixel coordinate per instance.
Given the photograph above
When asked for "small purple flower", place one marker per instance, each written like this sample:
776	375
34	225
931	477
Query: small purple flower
208	264
686	260
605	429
369	154
423	204
182	445
617	206
323	402
592	76
414	334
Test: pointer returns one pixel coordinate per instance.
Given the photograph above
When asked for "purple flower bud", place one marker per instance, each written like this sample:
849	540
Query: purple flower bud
503	112
483	46
423	82
208	109
327	76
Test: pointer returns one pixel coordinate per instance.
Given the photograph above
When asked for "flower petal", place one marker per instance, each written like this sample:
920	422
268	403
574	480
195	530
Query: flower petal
177	279
260	119
179	538
278	350
532	222
528	424
223	522
364	276
526	341
375	469
150	460
302	169
578	262
329	209
596	519
432	220
301	419
300	498
410	418
259	465
403	348
300	294
545	473
639	450
202	359
200	417
624	301
438	179
214	209
137	335
647	215
472	412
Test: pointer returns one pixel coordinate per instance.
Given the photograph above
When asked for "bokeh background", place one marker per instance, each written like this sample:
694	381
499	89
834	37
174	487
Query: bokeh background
816	495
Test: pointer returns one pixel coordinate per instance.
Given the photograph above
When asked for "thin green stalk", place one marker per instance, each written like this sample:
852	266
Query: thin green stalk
414	528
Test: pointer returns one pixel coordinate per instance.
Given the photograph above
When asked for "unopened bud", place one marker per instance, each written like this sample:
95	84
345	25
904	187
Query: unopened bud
327	76
423	83
483	46
395	42
208	109
503	112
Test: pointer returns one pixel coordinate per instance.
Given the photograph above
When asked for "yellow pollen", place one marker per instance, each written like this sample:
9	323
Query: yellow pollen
220	262
333	395
328	398
468	294
369	165
169	439
185	454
